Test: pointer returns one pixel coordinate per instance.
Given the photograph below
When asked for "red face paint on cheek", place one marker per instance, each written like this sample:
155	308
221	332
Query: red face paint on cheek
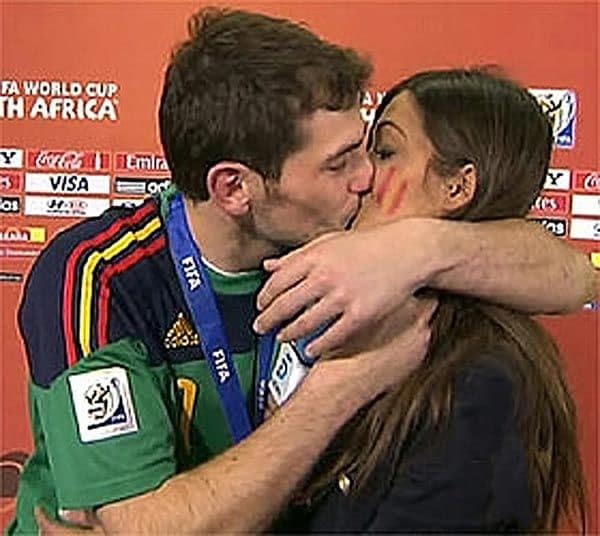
384	188
397	198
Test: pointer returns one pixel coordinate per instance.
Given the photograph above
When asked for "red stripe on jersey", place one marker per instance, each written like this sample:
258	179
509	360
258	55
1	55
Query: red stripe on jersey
70	276
123	265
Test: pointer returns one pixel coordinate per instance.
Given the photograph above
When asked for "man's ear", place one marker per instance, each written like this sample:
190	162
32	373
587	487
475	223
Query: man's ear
226	182
459	189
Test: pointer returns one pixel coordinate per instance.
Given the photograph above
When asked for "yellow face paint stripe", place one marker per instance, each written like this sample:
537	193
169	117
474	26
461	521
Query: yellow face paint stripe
87	281
387	201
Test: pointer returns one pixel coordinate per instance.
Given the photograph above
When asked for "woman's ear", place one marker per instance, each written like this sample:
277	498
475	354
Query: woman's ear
459	189
227	188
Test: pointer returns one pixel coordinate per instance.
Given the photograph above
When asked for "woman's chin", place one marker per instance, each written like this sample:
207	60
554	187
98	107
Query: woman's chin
372	215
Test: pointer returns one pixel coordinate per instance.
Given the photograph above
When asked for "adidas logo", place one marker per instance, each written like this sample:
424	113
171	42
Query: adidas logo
181	334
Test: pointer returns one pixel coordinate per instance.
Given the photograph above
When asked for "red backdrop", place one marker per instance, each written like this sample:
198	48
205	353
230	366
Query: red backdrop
107	61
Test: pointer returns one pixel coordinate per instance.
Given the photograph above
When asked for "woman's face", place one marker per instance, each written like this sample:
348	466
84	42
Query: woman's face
403	185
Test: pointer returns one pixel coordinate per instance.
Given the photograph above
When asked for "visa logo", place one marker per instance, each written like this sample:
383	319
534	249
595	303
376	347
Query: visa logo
69	183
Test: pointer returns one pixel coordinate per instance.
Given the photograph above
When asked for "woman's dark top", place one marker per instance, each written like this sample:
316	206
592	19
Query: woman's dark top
471	478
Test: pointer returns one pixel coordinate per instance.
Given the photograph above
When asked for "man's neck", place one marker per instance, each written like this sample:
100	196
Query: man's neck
223	242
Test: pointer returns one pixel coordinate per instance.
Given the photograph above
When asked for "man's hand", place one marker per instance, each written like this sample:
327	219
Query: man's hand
395	349
81	522
352	279
389	353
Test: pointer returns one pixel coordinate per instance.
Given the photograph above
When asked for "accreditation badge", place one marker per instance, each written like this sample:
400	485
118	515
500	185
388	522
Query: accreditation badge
289	370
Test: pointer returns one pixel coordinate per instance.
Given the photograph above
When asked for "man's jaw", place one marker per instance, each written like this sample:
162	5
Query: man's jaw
352	219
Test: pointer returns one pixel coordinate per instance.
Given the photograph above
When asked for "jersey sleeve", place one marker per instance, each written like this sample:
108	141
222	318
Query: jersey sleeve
474	477
108	426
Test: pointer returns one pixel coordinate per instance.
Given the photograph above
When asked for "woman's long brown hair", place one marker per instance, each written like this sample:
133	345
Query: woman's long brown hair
466	114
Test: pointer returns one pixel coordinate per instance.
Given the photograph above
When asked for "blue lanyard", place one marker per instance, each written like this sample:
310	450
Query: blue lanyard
201	301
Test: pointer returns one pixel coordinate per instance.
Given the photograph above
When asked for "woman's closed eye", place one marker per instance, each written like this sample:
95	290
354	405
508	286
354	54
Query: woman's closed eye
382	152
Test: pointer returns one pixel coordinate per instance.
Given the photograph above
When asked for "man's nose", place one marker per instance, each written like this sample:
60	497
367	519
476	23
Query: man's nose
362	181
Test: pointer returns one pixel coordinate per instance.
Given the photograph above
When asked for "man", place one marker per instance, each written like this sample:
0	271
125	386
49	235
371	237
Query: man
136	400
129	386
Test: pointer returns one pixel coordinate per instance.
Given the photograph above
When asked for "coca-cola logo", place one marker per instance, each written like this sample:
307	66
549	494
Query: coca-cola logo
68	159
587	181
592	182
59	159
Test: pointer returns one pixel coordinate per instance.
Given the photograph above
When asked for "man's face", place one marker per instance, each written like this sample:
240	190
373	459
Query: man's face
320	185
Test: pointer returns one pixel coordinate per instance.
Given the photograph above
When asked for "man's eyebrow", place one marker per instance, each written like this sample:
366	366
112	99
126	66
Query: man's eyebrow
391	124
347	148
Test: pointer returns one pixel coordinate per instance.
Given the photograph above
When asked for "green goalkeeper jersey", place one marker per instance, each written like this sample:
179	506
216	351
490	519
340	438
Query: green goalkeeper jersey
121	396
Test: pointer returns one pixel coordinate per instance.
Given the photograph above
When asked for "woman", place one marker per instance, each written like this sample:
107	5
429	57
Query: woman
482	437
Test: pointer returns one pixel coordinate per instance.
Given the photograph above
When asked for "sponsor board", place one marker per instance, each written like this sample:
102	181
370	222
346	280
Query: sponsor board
32	235
585	205
67	183
11	158
10	181
59	99
558	179
11	277
561	107
10	205
72	160
369	103
557	226
140	186
19	253
136	162
123	202
288	373
551	203
66	207
587	181
583	229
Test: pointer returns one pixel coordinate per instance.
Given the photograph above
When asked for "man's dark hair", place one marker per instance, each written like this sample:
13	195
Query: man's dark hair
238	87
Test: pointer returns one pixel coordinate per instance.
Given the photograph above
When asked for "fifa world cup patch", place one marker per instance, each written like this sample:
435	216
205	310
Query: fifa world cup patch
103	404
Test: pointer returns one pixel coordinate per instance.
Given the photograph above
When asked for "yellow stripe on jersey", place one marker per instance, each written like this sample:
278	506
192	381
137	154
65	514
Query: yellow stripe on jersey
595	259
87	281
190	394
